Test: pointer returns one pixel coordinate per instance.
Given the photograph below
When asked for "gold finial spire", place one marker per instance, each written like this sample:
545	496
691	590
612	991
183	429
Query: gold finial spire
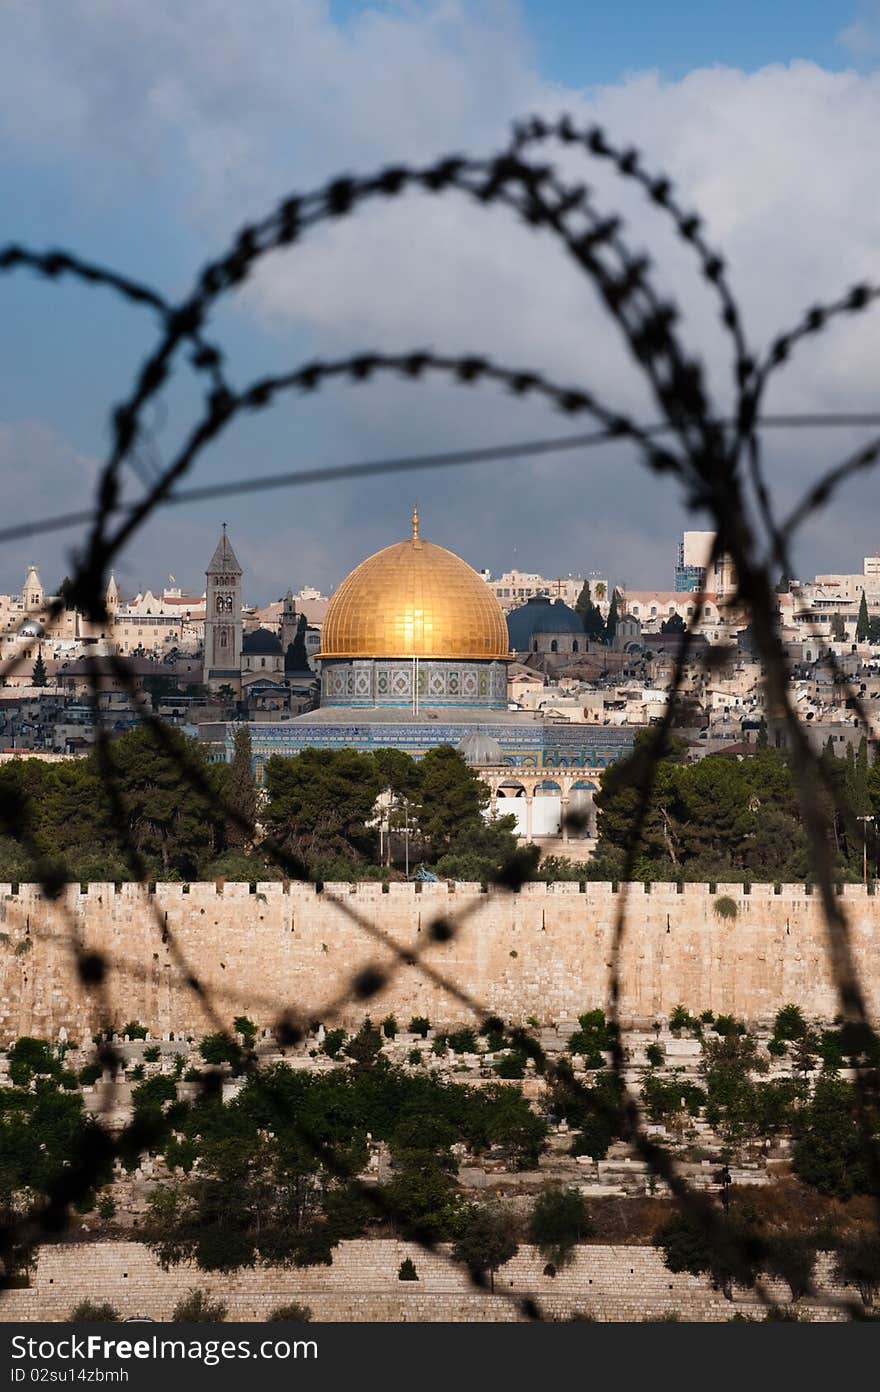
415	522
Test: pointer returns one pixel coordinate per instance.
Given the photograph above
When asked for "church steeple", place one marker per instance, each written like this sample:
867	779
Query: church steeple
223	629
224	560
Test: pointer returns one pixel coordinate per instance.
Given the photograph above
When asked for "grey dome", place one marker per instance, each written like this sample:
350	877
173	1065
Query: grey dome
478	749
540	615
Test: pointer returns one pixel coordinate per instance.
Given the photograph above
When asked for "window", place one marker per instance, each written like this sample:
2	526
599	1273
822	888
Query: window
554	646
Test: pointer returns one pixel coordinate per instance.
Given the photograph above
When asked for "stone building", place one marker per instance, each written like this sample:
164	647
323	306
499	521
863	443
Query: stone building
546	628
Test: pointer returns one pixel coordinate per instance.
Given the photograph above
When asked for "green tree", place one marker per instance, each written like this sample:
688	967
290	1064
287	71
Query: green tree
174	824
584	601
612	619
487	1241
863	623
450	801
241	792
858	1264
838	628
40	678
830	1150
296	659
701	1242
319	804
558	1221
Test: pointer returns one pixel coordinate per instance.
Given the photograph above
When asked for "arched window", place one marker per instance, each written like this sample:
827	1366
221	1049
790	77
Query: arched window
653	611
574	646
535	646
554	646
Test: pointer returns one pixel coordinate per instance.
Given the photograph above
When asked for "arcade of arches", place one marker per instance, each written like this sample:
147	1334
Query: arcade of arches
544	800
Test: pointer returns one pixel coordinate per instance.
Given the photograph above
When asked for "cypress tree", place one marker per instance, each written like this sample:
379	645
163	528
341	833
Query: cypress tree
241	791
611	621
584	603
296	659
39	677
863	623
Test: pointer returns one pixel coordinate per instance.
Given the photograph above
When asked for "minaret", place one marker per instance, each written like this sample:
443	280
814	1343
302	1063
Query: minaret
289	621
222	661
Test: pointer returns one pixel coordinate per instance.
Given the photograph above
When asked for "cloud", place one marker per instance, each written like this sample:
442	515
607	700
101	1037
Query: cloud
210	110
861	38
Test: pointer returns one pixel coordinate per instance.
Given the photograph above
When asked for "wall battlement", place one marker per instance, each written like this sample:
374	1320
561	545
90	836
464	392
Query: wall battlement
545	951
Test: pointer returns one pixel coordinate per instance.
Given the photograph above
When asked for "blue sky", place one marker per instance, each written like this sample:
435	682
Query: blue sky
142	136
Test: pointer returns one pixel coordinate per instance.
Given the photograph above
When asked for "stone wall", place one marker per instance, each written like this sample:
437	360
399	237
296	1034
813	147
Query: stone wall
545	951
607	1283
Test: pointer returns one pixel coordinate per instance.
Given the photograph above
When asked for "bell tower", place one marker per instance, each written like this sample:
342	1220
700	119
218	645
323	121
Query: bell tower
222	661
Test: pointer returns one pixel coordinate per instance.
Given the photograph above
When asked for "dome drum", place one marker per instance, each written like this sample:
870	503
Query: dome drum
413	682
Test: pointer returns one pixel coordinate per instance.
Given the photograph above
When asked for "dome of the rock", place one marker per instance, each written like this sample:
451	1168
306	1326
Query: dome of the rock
414	599
414	626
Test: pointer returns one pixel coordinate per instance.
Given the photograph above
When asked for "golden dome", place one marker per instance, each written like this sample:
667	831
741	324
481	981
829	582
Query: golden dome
414	599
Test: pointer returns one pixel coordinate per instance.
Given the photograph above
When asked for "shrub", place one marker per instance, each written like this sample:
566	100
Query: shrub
462	1041
88	1312
680	1019
439	1045
30	1057
138	1073
333	1042
247	1029
389	1027
726	1025
420	1024
656	1055
789	1023
707	1017
414	1057
134	1030
89	1074
511	1065
290	1314
106	1207
152	1054
150	1094
198	1308
407	1270
558	1221
592	1039
220	1048
725	907
777	1048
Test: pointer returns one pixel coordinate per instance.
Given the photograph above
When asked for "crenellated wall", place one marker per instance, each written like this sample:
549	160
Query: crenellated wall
546	951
